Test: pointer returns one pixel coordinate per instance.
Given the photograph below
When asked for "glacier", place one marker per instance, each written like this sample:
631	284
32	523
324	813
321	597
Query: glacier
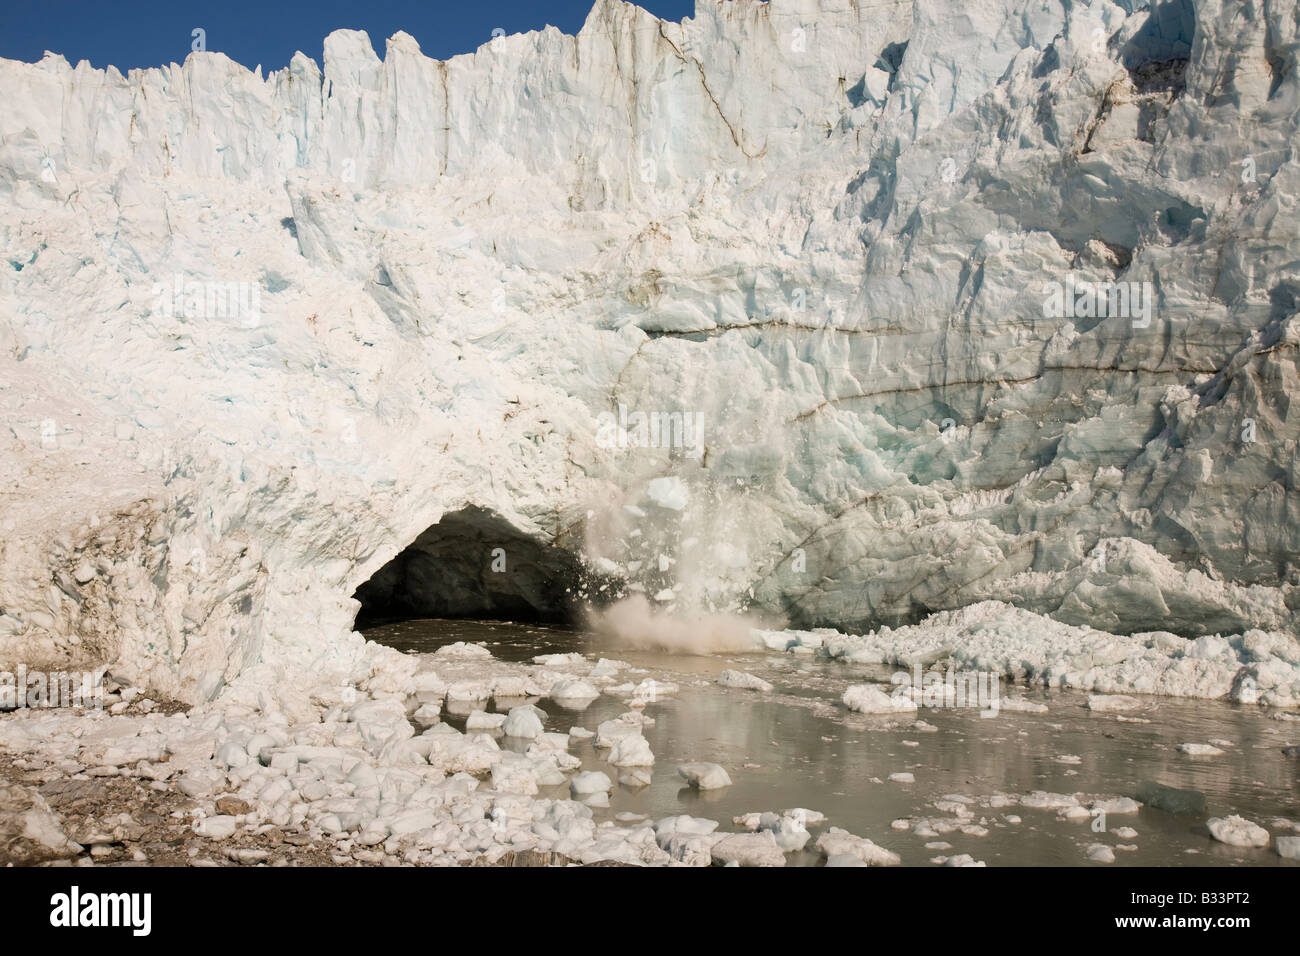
792	307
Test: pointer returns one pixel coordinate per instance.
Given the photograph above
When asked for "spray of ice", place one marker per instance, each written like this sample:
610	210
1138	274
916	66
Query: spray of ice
673	545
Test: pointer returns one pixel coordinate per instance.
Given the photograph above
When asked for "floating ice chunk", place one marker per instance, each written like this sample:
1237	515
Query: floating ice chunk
468	691
1100	853
1042	800
592	781
962	859
1124	833
605	668
610	731
845	859
573	694
836	841
749	849
790	827
635	777
1237	831
560	660
1288	847
428	682
549	743
790	833
481	720
650	690
809	818
688	839
461	651
1069	758
1116	805
869	699
1112	703
427	714
551	766
742	680
631	750
704	776
507	687
580	733
1200	750
683	824
903	776
524	722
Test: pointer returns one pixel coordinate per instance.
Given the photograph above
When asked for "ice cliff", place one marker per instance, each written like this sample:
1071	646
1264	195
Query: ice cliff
794	305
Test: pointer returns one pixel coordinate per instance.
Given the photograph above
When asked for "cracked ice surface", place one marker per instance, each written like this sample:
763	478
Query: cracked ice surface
820	231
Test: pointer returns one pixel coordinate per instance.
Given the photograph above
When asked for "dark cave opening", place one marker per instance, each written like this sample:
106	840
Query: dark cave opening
474	564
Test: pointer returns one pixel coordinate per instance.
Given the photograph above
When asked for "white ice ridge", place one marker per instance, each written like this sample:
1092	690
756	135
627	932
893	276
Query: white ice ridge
1257	667
808	258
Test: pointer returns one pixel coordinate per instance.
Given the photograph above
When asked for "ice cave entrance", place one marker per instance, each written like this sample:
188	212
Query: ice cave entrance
472	564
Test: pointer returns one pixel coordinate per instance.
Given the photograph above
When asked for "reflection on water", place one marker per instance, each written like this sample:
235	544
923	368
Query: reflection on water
798	747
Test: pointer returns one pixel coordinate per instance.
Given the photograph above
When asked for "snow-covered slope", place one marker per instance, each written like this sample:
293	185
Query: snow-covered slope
258	334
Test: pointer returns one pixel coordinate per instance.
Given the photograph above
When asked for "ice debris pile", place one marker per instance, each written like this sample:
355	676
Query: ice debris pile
371	774
1005	641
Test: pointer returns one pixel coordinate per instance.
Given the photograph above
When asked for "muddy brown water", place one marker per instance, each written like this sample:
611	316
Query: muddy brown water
797	746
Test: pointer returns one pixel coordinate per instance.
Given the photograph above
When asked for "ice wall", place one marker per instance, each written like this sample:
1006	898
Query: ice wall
259	333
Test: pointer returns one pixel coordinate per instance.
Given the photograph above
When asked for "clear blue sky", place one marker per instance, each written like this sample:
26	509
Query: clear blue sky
137	33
